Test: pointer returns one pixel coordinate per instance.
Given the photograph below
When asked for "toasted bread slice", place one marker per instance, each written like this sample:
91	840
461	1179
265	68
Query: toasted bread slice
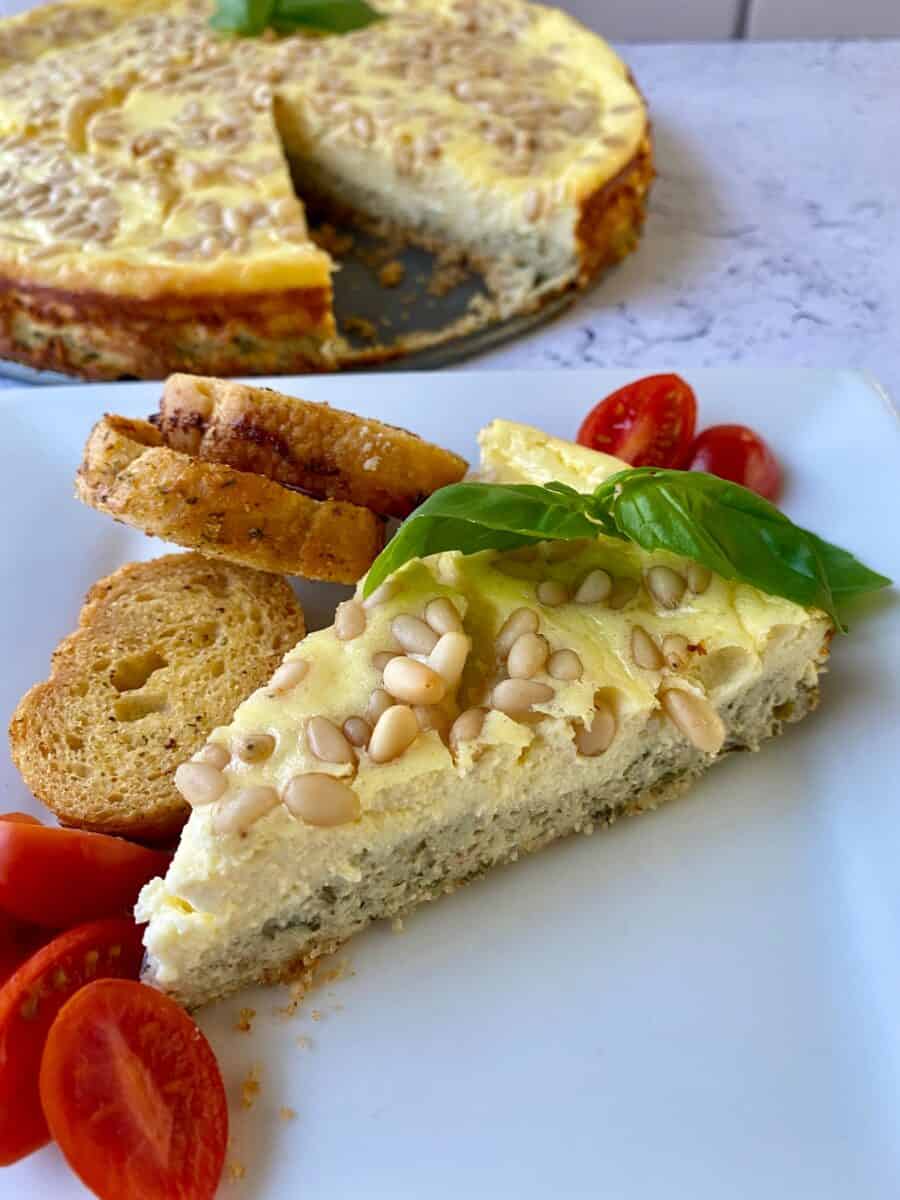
129	473
164	652
325	451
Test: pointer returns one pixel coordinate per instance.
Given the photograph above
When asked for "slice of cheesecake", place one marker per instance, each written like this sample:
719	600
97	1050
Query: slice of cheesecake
472	709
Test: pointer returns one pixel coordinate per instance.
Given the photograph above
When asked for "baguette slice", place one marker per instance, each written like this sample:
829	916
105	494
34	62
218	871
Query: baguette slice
129	473
329	453
164	652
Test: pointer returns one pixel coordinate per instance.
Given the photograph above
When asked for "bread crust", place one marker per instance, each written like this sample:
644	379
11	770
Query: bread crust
162	654
130	474
324	451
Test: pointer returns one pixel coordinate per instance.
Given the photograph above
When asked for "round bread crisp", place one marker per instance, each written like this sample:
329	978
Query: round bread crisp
129	473
163	654
325	451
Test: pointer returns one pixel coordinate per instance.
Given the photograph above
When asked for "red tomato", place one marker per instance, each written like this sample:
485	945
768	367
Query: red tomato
19	818
133	1095
29	1002
18	941
648	423
737	453
62	877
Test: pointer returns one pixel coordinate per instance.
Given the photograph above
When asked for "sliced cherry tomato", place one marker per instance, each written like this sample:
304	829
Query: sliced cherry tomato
737	453
648	423
19	818
29	1002
18	941
133	1095
62	877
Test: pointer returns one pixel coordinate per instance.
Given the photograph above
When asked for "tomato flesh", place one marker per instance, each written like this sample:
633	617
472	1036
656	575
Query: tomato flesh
737	453
133	1095
29	1002
18	941
63	877
648	423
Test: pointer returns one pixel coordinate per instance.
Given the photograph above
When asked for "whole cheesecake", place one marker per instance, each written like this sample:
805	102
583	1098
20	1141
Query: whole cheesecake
149	221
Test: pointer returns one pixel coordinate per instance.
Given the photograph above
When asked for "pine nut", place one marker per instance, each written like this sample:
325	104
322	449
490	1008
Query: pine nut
527	656
523	620
665	586
599	737
695	717
327	742
675	650
379	702
623	590
384	592
467	726
552	593
594	588
254	747
321	800
382	658
430	717
349	620
644	650
200	783
239	812
413	682
698	578
565	665
442	616
213	753
449	656
287	676
357	731
413	634
515	696
396	730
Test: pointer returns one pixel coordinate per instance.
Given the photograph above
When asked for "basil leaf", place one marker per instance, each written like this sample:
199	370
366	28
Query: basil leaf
246	17
323	16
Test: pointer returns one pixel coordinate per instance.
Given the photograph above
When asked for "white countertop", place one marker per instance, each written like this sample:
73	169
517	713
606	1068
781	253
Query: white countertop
774	229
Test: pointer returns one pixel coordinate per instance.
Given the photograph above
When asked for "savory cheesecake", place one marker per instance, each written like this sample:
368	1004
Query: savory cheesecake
473	708
148	218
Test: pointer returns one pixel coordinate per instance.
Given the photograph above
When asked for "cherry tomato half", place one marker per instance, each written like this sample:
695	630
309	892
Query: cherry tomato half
62	877
648	423
737	453
29	1002
18	941
133	1095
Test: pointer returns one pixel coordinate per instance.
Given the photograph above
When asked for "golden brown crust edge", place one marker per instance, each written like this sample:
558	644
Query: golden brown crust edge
129	474
322	450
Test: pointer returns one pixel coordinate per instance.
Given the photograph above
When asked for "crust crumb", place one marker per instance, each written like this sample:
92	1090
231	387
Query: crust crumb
250	1088
244	1023
392	273
236	1170
304	1042
362	327
287	1114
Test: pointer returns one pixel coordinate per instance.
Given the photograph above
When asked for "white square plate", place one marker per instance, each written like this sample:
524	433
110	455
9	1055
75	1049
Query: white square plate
701	1004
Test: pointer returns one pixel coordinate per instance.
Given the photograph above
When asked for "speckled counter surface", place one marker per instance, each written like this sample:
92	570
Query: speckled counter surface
774	228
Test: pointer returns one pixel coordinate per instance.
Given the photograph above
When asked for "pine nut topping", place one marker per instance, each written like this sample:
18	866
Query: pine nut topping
665	586
594	588
517	696
442	616
413	634
287	676
523	620
698	578
379	702
199	783
321	800
552	593
449	656
385	591
565	665
357	731
238	812
430	717
675	650
382	658
695	717
528	655
413	682
599	737
467	726
644	650
396	730
349	620
217	756
327	742
623	591
254	747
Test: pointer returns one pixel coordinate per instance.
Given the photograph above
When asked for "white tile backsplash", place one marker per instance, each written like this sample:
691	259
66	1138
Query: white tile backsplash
824	19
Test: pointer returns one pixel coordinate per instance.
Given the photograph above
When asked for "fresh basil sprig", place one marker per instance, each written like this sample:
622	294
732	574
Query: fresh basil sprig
727	528
249	18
